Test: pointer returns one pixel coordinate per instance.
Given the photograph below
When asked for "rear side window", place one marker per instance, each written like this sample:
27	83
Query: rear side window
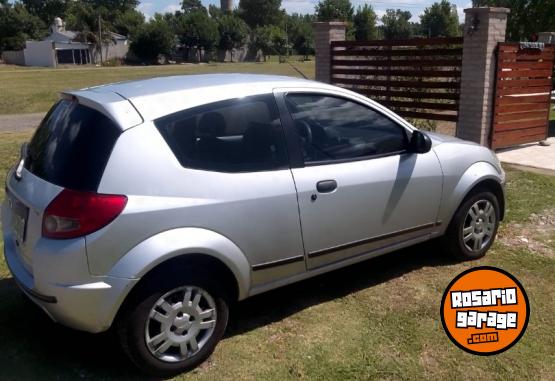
72	146
239	135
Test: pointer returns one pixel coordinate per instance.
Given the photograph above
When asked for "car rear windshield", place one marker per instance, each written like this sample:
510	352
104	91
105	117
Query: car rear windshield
72	146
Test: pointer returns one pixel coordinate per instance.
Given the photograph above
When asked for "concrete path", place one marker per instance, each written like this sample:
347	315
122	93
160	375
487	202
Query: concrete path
530	155
20	122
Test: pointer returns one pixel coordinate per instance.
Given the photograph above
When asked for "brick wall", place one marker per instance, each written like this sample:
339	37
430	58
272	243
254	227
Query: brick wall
324	33
478	71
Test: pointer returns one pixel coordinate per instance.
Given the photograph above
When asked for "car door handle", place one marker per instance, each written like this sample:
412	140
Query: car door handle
326	186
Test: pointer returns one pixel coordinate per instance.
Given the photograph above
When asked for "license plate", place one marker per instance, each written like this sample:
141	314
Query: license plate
20	213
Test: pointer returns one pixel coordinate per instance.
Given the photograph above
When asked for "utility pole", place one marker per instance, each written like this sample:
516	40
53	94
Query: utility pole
286	39
100	38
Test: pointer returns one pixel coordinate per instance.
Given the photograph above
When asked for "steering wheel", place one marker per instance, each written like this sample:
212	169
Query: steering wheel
305	132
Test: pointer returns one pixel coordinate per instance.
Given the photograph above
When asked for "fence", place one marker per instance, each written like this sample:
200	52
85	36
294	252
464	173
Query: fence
14	57
522	97
417	78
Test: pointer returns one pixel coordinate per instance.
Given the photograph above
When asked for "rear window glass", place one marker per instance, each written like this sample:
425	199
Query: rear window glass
72	146
238	135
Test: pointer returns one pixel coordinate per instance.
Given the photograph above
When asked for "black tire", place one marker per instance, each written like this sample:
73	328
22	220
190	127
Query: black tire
453	241
133	318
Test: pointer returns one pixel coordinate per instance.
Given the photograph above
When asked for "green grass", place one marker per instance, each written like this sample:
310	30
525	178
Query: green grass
376	320
26	90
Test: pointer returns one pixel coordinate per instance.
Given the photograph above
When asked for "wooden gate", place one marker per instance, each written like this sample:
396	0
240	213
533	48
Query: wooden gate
522	95
417	78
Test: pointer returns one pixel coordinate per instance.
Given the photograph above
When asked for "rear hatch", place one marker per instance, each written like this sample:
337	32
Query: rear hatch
69	150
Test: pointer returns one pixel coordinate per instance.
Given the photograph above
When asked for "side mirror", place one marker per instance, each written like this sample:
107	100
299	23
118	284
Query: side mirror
420	142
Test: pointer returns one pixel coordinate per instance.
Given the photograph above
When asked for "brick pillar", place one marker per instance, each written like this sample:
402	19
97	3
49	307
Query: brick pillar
324	33
484	28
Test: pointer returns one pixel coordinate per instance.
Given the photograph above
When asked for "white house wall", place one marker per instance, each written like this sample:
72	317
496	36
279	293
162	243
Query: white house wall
110	51
39	53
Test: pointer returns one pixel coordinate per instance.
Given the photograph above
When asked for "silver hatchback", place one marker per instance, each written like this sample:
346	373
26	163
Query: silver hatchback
151	205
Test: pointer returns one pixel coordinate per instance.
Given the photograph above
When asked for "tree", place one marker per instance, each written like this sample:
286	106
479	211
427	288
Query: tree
17	25
233	33
262	40
440	20
365	23
128	22
153	39
269	39
526	18
112	5
396	24
301	34
47	10
215	12
198	30
334	10
83	15
190	6
260	12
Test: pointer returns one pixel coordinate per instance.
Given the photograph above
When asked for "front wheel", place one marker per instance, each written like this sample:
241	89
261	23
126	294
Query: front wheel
474	226
173	328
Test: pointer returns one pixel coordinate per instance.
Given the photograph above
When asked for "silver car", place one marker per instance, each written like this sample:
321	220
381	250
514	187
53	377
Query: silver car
150	206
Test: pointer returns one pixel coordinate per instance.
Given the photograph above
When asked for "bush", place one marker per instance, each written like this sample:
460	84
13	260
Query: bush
423	124
233	33
198	30
152	40
112	62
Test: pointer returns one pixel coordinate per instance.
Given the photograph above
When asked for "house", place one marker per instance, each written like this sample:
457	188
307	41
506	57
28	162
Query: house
60	47
66	47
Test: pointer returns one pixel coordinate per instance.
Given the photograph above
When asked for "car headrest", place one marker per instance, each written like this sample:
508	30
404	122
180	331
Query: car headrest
211	124
258	140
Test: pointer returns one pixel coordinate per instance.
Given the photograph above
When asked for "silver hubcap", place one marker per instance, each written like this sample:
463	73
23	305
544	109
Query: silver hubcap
479	225
180	323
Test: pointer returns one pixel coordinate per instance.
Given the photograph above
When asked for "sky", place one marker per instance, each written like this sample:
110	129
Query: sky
416	7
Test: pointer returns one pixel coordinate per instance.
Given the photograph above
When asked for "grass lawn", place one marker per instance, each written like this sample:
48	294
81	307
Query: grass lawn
377	320
26	90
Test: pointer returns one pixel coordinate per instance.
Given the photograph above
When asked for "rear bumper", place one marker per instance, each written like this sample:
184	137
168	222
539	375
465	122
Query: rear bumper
88	305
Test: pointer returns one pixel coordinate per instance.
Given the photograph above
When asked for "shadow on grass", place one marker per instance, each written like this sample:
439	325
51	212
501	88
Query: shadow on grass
551	131
31	346
278	304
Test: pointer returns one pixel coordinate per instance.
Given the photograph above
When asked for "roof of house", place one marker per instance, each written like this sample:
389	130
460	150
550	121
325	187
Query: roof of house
61	36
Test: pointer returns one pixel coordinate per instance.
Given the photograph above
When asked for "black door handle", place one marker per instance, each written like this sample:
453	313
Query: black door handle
326	186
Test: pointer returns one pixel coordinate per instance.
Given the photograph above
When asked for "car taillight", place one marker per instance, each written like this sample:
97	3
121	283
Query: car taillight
74	214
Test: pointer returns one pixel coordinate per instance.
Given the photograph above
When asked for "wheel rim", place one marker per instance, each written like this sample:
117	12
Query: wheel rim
180	323
479	225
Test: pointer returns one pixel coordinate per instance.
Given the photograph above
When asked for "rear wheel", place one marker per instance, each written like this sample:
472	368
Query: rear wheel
174	326
474	226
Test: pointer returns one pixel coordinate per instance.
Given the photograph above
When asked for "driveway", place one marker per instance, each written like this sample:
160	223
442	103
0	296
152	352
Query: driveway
20	122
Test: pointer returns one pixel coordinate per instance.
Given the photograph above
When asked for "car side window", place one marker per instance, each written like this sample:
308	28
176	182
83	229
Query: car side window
239	135
332	128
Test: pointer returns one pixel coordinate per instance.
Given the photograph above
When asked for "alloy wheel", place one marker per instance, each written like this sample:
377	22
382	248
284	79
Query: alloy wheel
180	323
479	225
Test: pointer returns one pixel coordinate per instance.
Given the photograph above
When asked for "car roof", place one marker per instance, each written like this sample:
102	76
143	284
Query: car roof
161	85
153	98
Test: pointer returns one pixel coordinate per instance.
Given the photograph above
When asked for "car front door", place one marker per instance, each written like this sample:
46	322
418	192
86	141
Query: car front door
359	189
